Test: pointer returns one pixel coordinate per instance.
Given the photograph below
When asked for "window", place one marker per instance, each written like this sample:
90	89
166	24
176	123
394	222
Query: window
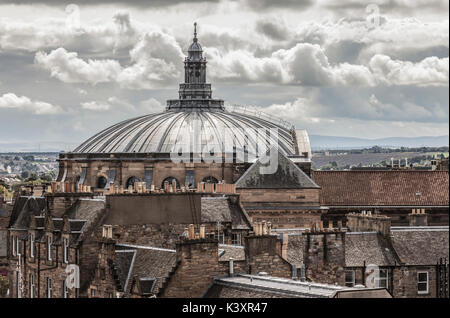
220	237
101	182
131	181
350	278
422	283
66	250
17	246
93	292
32	245
18	290
170	180
13	246
31	285
49	248
66	293
49	288
236	239
383	278
210	179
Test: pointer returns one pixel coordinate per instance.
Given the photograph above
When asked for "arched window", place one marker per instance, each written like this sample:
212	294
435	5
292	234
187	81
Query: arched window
131	181
210	179
101	182
170	180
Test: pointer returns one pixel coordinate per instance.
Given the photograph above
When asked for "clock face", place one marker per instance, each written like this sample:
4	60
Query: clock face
197	73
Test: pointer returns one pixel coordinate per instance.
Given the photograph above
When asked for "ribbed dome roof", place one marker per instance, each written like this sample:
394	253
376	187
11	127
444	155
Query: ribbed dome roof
165	132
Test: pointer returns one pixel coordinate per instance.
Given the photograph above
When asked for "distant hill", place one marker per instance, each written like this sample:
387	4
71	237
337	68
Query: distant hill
334	142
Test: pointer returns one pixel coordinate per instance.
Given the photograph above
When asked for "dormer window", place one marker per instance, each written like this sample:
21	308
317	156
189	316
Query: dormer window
49	248
32	245
66	250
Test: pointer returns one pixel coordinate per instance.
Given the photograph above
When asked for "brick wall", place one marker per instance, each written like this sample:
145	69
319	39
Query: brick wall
263	254
324	257
198	264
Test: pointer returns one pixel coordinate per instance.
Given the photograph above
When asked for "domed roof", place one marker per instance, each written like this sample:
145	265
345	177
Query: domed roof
197	123
165	132
195	47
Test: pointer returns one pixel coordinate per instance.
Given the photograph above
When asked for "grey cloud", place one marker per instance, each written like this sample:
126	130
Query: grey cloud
137	3
272	29
273	4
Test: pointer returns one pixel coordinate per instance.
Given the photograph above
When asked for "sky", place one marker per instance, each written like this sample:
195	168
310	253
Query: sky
348	68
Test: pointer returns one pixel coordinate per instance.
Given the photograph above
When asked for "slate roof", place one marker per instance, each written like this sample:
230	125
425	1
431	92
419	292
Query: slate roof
85	209
421	246
369	247
383	188
221	209
122	266
24	208
242	285
143	263
234	251
287	176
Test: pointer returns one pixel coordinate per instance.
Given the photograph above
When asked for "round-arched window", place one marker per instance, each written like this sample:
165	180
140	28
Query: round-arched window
170	180
210	179
101	182
131	181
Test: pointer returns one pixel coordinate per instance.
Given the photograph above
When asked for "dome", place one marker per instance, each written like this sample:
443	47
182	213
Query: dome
165	132
195	47
195	123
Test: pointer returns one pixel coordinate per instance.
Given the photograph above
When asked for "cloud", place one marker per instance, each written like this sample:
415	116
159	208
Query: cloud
152	105
23	103
430	71
67	67
275	30
270	4
136	3
112	103
155	60
95	106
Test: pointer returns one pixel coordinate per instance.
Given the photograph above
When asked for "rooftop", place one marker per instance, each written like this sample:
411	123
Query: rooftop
282	287
383	188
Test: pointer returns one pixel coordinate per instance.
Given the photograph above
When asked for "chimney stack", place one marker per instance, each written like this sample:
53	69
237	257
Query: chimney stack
418	217
365	222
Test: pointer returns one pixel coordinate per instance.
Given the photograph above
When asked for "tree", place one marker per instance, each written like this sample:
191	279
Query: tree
33	177
46	177
4	285
25	174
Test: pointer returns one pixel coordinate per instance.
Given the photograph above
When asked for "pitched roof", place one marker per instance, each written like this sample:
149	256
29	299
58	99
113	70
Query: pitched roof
287	176
147	263
122	265
24	208
222	209
421	246
370	248
231	251
383	188
253	286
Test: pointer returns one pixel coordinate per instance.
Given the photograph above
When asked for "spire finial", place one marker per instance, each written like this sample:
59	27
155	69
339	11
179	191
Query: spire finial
195	31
